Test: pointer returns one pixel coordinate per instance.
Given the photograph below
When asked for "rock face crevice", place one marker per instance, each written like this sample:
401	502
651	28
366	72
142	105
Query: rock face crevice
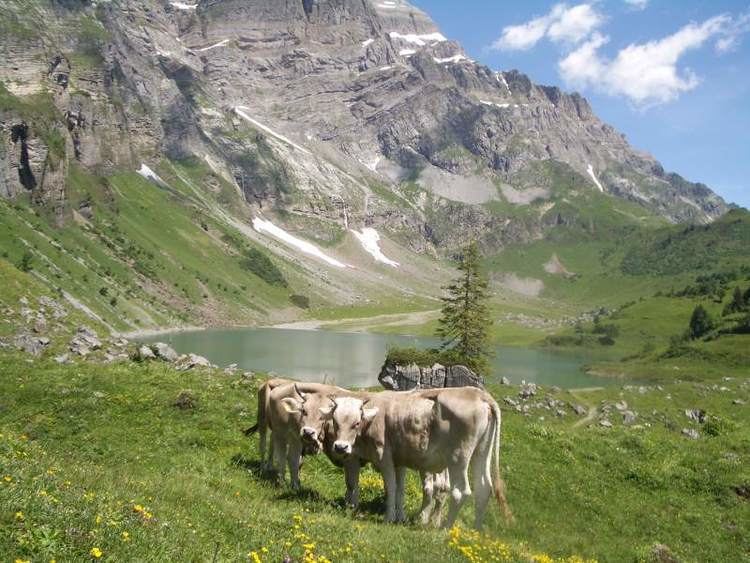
19	136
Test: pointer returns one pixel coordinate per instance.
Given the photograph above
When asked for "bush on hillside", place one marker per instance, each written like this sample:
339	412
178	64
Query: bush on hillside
701	323
261	265
301	301
25	264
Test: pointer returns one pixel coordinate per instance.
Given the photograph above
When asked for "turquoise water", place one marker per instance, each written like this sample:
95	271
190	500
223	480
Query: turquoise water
354	359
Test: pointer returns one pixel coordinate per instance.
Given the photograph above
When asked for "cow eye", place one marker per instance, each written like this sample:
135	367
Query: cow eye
304	412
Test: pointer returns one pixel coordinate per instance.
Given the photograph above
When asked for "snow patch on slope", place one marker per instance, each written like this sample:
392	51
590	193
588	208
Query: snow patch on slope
420	40
221	43
149	174
240	110
264	226
454	59
182	6
590	170
369	239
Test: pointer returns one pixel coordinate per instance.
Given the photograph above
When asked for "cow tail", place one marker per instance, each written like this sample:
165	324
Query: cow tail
263	393
498	485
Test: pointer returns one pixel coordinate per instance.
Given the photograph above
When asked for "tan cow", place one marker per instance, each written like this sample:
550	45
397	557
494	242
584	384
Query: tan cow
430	431
435	487
294	414
261	426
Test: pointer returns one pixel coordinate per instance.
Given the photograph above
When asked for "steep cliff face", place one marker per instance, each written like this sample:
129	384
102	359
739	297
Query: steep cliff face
340	113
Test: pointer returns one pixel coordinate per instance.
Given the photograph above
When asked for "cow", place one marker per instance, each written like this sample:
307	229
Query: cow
435	487
261	426
293	413
430	431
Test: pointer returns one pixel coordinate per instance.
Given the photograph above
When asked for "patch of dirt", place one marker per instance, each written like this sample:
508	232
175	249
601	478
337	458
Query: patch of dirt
523	197
530	287
555	266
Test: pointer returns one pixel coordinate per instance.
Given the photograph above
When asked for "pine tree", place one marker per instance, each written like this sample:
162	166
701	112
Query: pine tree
737	303
700	323
465	321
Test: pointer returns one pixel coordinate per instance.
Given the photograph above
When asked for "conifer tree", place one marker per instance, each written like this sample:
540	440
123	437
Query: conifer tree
465	321
700	323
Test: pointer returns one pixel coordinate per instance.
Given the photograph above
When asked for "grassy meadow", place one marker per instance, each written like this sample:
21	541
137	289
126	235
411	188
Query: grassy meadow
97	463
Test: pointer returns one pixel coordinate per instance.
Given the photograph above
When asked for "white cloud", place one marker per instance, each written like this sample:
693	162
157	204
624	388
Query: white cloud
648	73
730	38
637	4
563	24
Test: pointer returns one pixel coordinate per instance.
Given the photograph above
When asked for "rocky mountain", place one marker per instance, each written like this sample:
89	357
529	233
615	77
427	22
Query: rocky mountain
323	129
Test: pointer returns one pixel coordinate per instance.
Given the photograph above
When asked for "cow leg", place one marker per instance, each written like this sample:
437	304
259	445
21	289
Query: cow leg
460	489
441	490
428	500
482	480
294	458
351	475
389	480
400	489
268	460
279	455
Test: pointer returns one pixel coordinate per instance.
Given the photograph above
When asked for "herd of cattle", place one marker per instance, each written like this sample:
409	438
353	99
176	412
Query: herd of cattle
444	434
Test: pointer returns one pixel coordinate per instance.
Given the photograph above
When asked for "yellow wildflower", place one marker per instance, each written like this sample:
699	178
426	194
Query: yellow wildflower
22	561
20	517
7	478
96	553
254	557
125	536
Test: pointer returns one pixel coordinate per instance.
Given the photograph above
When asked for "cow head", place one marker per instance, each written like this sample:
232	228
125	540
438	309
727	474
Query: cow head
307	411
348	415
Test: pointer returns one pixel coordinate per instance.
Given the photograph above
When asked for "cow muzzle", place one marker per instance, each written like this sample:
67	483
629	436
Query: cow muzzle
343	448
309	434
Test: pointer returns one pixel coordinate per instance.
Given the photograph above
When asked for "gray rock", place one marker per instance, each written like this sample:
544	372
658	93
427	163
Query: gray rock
697	415
691	433
165	352
504	381
84	342
191	361
580	410
560	412
31	344
63	359
527	390
403	378
605	423
621	406
510	401
629	417
145	353
738	402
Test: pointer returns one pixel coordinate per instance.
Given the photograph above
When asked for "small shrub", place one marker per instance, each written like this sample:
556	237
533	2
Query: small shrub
301	301
25	264
716	426
261	265
701	323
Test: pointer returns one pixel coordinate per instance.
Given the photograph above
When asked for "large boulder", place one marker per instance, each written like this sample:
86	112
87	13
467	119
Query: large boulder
165	352
404	377
31	344
85	341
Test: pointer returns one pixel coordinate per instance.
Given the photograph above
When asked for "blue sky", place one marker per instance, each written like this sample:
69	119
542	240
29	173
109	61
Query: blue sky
673	76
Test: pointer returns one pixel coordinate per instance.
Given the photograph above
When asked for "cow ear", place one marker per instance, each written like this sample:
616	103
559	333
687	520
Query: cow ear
369	414
326	411
292	406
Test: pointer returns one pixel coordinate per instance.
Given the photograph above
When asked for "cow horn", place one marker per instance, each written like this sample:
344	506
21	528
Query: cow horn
299	393
332	398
